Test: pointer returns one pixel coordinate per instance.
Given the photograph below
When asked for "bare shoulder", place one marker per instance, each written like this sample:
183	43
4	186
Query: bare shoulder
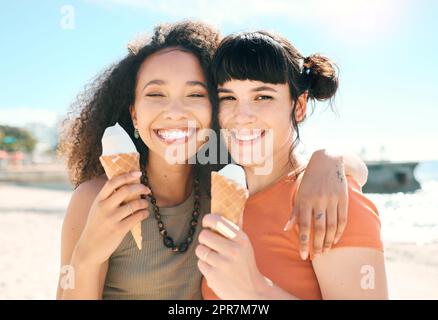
76	217
90	188
81	201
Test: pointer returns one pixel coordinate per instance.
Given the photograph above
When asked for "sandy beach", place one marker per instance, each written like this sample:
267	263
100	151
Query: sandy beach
30	227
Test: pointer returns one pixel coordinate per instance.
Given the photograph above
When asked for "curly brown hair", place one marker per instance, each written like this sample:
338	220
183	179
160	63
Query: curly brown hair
110	95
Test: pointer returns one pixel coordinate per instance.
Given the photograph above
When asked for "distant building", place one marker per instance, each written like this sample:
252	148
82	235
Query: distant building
47	139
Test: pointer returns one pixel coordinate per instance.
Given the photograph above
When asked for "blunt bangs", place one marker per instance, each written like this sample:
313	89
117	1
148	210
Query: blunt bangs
250	56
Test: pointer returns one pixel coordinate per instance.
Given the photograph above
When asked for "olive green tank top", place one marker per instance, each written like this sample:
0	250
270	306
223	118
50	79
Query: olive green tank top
156	272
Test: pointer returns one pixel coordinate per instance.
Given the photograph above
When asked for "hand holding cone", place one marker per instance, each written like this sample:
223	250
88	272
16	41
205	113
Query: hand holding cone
116	165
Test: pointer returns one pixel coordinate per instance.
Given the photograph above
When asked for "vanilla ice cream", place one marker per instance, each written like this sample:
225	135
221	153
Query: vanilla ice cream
234	173
116	140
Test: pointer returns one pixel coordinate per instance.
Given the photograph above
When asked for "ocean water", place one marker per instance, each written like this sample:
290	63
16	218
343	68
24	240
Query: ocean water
411	218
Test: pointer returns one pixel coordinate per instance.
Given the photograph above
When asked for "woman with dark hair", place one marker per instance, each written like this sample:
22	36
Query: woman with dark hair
153	93
263	87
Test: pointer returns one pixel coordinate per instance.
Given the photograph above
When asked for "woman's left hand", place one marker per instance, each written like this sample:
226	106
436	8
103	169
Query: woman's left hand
227	262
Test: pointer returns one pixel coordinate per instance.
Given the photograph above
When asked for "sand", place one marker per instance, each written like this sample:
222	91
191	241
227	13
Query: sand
30	228
412	270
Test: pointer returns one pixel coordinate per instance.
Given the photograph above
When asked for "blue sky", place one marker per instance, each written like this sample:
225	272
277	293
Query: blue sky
386	51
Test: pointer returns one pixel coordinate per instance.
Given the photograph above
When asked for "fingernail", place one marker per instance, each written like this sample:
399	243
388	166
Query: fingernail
288	226
136	174
336	241
303	255
316	255
326	250
293	219
225	231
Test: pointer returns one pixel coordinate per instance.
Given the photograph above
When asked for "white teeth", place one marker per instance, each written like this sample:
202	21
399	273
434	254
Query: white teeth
247	135
174	134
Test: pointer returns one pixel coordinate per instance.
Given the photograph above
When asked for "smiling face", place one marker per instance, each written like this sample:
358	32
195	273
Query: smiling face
171	102
257	117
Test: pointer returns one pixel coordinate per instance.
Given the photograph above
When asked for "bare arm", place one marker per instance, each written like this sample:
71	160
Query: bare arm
74	223
98	219
343	274
352	273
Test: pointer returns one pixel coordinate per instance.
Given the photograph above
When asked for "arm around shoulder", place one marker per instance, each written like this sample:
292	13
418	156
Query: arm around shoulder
355	267
352	273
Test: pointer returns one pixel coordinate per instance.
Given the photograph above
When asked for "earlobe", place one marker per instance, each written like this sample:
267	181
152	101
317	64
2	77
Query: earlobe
301	108
133	115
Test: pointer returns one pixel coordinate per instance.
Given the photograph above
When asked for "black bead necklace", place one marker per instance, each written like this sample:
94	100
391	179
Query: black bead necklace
167	240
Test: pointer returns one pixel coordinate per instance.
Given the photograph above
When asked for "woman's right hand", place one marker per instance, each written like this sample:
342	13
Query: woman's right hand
110	218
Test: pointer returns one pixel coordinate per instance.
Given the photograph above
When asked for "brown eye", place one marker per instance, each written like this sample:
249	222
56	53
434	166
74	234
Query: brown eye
264	98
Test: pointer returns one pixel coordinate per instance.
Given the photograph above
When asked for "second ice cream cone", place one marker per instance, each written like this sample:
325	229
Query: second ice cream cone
228	198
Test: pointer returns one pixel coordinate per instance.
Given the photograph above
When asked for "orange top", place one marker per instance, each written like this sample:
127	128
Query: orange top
277	251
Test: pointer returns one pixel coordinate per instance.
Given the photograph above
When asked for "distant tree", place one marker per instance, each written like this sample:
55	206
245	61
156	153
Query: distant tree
16	139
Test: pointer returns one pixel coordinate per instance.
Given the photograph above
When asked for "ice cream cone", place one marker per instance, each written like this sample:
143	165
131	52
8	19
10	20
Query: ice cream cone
116	165
228	198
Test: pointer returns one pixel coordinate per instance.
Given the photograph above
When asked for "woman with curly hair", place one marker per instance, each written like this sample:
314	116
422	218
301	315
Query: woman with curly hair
153	93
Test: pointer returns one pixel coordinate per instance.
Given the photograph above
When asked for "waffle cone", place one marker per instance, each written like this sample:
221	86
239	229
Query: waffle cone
116	165
227	198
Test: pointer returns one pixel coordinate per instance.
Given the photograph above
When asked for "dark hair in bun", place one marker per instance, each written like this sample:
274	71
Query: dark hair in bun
323	79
